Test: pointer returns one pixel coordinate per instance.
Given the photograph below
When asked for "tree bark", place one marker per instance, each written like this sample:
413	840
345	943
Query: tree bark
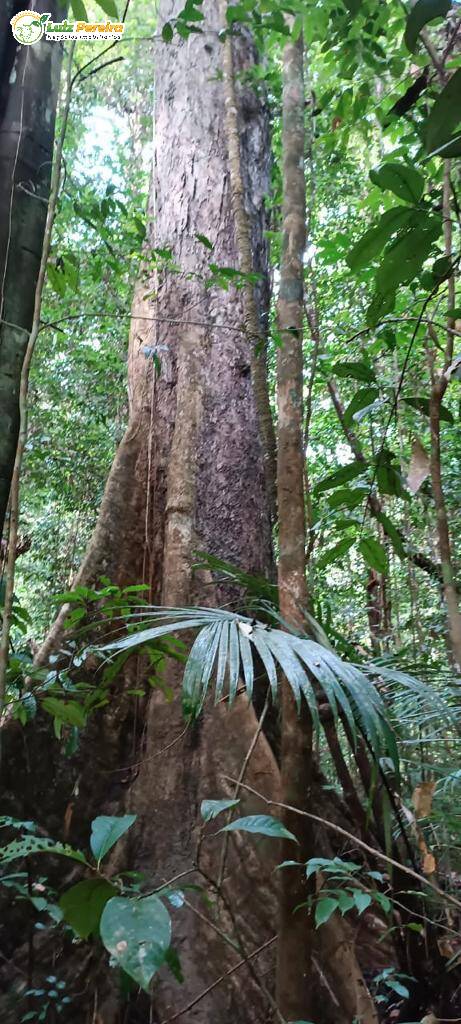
188	476
294	955
28	93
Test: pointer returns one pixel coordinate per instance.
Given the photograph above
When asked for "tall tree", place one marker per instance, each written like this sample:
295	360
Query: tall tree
187	476
28	92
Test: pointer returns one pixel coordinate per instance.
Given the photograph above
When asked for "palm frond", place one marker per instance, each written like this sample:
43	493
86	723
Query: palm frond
225	649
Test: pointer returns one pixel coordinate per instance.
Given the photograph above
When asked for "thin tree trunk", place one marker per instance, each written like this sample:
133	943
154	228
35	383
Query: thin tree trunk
294	955
439	385
28	93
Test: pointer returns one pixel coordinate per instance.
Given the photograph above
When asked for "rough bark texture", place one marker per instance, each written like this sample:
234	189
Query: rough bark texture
256	326
28	92
188	476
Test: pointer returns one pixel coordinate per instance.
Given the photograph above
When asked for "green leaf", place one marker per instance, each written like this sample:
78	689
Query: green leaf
374	554
350	497
109	7
389	480
392	532
260	824
29	845
357	370
362	900
83	904
79	10
345	902
335	553
448	149
167	32
56	279
324	909
68	712
383	901
397	987
210	809
106	830
362	398
422	404
401	179
423	12
137	934
373	241
205	241
381	304
445	114
403	260
340	476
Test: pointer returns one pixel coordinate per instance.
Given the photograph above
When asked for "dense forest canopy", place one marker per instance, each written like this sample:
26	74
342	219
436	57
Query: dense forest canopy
230	657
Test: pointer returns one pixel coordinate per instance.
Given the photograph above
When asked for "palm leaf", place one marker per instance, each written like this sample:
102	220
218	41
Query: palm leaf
227	643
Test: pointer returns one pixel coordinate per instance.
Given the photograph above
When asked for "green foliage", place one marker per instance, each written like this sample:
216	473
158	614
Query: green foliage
137	934
210	809
106	831
227	644
260	824
83	904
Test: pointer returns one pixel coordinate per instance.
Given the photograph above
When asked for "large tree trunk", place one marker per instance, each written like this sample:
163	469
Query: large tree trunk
188	476
28	93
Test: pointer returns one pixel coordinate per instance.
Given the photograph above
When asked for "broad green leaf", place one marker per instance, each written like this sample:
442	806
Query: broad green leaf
448	149
324	908
383	900
345	902
373	241
423	12
362	900
260	824
83	904
167	32
357	370
109	7
348	496
341	476
397	987
374	554
137	934
389	480
381	304
68	711
422	404
335	553
445	114
106	830
210	809
403	260
361	400
56	279
79	10
401	179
